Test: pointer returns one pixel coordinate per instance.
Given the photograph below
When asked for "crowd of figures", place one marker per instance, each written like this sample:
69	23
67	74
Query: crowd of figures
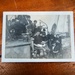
44	43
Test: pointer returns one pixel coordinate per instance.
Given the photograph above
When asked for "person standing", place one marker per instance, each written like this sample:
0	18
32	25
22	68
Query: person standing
34	27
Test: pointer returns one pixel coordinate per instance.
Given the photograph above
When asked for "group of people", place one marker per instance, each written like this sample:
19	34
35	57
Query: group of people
18	25
23	24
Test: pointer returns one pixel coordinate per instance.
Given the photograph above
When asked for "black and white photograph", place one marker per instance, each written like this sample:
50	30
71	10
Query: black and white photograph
39	36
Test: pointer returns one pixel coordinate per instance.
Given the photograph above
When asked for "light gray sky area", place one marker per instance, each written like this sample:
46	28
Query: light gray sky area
62	22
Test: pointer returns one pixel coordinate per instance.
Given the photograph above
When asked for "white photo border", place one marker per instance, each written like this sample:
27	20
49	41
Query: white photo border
39	13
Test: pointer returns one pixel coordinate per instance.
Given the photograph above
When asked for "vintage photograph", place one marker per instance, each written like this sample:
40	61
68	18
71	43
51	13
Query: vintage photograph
37	36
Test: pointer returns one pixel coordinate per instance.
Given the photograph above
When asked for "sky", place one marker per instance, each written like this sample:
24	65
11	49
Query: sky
62	25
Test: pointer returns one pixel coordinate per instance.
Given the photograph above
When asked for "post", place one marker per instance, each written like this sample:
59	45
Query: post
68	21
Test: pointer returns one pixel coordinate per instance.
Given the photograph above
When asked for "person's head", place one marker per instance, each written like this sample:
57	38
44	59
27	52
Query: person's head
35	22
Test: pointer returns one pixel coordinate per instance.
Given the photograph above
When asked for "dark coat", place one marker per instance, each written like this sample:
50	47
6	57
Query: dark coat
37	39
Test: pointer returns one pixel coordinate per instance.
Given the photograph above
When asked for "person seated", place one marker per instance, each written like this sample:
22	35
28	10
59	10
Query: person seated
40	46
56	44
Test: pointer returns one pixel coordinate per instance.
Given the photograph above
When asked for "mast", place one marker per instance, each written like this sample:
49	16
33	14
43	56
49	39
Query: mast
68	18
58	19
